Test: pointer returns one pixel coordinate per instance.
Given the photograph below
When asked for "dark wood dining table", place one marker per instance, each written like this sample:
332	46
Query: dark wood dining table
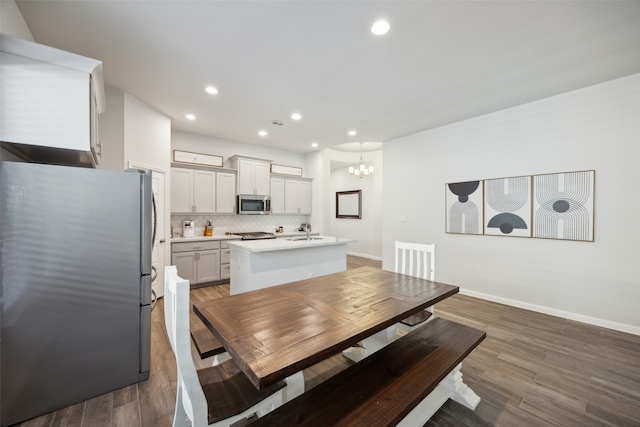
275	332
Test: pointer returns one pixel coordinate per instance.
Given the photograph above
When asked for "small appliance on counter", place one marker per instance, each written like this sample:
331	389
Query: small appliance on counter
303	227
189	229
280	229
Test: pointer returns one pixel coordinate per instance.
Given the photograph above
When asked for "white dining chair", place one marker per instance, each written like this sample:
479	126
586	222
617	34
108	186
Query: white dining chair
214	396
418	260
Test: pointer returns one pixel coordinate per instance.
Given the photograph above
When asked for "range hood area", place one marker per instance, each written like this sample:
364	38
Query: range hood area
51	104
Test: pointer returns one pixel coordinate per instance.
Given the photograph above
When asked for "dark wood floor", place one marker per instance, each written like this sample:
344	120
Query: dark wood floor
531	370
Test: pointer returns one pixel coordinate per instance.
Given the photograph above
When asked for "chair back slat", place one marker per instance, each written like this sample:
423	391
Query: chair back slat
176	306
415	259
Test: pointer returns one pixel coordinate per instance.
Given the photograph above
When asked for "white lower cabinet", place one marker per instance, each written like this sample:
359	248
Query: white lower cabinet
197	262
202	261
225	260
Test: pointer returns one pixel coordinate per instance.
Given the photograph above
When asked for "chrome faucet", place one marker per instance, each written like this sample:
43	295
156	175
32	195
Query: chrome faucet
308	228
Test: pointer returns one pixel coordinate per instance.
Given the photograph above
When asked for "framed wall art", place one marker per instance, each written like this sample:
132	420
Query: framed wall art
464	207
507	206
563	206
349	204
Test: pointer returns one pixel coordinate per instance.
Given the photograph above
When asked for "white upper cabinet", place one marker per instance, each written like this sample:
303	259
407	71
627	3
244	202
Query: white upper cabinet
291	196
51	103
202	191
253	175
304	197
277	195
181	190
226	193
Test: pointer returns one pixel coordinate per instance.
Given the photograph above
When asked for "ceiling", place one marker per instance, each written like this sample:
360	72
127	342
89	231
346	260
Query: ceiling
441	62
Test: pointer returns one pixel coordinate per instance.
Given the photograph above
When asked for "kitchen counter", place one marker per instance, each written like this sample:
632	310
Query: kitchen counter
300	242
257	264
233	237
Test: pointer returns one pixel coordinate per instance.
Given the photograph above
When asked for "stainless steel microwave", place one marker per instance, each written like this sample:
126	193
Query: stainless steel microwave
249	204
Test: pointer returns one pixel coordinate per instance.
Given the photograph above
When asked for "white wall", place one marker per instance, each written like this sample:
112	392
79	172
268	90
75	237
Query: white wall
367	230
315	169
112	131
12	22
593	128
147	134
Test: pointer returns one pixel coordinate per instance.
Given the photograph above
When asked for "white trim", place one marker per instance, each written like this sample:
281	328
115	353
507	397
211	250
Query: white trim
375	258
138	165
630	329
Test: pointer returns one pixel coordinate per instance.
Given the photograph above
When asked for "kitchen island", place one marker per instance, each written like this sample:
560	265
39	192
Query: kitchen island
257	264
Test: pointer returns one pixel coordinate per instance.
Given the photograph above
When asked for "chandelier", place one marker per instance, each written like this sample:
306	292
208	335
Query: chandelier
361	170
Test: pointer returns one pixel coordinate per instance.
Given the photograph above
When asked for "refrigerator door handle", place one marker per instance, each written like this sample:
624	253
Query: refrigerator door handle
155	220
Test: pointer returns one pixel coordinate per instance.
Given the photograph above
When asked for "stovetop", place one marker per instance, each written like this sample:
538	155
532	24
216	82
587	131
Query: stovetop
256	235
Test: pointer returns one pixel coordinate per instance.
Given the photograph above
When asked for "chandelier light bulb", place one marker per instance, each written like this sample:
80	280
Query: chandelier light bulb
361	170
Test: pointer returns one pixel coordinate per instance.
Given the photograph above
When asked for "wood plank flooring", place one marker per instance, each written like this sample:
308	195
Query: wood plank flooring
531	370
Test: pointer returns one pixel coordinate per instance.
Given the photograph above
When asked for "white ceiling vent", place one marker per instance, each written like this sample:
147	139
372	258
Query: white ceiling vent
279	124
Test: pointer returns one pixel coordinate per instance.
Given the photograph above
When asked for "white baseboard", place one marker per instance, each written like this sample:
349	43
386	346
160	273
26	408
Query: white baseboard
376	258
630	329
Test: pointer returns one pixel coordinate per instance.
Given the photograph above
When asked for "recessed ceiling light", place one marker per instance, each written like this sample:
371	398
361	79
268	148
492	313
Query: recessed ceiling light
314	145
352	132
296	116
212	90
190	117
380	27
262	133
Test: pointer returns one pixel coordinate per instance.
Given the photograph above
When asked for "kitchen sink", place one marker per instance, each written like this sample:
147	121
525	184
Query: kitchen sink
295	239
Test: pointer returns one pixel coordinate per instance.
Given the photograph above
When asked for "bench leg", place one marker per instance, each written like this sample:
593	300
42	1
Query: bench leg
294	388
428	406
451	387
462	393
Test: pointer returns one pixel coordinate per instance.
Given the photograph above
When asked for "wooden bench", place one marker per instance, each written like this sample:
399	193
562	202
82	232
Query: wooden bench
229	392
404	383
206	343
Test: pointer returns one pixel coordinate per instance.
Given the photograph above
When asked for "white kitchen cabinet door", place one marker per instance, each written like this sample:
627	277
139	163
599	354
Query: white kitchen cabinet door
262	176
291	196
253	177
186	264
226	193
304	197
277	195
204	191
208	266
246	177
297	197
182	191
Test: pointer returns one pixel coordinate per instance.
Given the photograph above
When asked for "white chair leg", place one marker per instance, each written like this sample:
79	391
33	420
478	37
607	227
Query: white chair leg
180	415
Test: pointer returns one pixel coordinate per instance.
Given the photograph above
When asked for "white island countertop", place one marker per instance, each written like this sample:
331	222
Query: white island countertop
282	244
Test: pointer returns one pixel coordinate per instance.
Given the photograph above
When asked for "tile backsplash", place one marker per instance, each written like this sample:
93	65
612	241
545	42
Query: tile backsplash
238	223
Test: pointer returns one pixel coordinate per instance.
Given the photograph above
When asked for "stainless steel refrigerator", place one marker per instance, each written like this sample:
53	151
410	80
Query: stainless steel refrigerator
75	266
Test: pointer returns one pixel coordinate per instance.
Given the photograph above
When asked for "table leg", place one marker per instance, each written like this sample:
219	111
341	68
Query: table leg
294	388
371	344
